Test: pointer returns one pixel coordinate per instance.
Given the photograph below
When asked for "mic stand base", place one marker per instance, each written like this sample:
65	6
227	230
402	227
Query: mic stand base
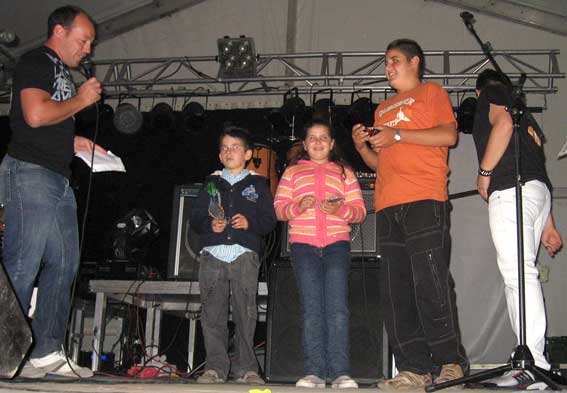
522	360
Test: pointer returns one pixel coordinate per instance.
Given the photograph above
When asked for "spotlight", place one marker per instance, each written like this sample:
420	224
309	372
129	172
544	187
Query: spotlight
277	122
465	115
293	111
193	116
360	111
87	118
133	234
162	117
9	38
106	111
237	57
322	108
127	119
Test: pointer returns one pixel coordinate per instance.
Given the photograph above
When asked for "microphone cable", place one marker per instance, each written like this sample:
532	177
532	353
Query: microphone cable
88	74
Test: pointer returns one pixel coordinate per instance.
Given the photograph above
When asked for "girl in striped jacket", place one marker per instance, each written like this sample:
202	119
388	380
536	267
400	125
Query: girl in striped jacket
320	197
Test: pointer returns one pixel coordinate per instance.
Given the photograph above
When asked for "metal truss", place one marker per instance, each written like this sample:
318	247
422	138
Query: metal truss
337	72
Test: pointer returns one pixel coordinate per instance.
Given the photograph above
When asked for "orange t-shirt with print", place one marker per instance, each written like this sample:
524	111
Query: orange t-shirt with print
406	172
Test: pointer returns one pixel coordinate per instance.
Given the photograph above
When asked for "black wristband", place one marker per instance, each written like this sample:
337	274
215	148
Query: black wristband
483	172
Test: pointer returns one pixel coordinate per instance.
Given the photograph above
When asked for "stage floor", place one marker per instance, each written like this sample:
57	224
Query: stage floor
123	385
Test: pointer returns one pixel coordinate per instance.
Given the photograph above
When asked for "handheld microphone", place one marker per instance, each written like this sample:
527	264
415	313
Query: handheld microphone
87	67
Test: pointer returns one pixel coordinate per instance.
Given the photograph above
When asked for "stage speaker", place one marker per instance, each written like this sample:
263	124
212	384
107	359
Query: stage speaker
184	244
284	354
364	239
15	333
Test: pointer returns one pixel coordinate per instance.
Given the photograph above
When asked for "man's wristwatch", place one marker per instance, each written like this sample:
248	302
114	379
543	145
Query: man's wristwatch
483	172
397	137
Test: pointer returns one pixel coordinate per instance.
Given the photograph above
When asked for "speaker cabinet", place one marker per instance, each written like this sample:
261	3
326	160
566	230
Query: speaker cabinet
363	237
284	354
184	244
15	333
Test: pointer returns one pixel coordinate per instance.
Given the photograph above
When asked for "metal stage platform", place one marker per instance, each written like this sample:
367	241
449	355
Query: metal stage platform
181	297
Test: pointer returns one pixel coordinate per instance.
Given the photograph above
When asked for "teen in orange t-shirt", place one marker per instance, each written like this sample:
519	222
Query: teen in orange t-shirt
408	148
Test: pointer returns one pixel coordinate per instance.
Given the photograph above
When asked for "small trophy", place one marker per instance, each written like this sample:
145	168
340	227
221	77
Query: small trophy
216	210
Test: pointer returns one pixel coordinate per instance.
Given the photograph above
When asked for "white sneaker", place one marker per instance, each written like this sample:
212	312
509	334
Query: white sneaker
310	381
29	371
516	379
344	382
56	363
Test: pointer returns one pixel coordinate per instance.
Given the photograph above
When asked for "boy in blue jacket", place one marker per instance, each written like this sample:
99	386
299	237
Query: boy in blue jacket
231	214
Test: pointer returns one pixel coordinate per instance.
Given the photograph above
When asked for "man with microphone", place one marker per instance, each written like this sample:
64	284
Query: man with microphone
41	236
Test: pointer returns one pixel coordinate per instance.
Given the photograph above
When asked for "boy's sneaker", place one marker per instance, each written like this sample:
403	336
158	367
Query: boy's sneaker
210	376
251	378
56	363
406	380
310	381
344	382
516	379
29	371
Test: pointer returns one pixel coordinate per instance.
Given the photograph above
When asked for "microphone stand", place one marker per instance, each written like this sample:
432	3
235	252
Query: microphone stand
522	358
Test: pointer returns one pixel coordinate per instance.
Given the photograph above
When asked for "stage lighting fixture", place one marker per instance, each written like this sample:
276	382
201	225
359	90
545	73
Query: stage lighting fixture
237	57
294	112
322	108
162	117
465	115
127	119
9	38
360	111
106	111
87	118
278	124
133	235
193	116
293	109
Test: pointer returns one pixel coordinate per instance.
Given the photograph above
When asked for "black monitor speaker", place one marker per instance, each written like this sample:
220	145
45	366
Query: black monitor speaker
368	351
363	236
184	244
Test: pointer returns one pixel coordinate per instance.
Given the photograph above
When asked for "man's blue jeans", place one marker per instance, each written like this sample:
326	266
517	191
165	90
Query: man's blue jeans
322	280
40	241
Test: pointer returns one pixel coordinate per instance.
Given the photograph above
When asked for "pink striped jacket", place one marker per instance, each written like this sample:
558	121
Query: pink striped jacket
327	180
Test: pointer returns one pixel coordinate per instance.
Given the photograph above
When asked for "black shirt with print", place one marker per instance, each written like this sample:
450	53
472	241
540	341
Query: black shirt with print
532	159
48	146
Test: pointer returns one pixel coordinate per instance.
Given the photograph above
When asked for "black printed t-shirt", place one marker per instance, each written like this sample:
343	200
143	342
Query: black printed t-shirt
532	159
48	146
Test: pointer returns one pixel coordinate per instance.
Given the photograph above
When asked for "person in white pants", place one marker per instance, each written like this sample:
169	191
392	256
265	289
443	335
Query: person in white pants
538	226
492	133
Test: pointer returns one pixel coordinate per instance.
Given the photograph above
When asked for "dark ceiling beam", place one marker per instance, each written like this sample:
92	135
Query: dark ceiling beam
517	12
140	16
122	23
108	29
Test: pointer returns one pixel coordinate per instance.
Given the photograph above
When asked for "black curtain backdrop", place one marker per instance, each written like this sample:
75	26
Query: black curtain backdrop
157	159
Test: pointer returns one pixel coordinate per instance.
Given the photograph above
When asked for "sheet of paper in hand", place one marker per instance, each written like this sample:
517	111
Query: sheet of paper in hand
102	162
